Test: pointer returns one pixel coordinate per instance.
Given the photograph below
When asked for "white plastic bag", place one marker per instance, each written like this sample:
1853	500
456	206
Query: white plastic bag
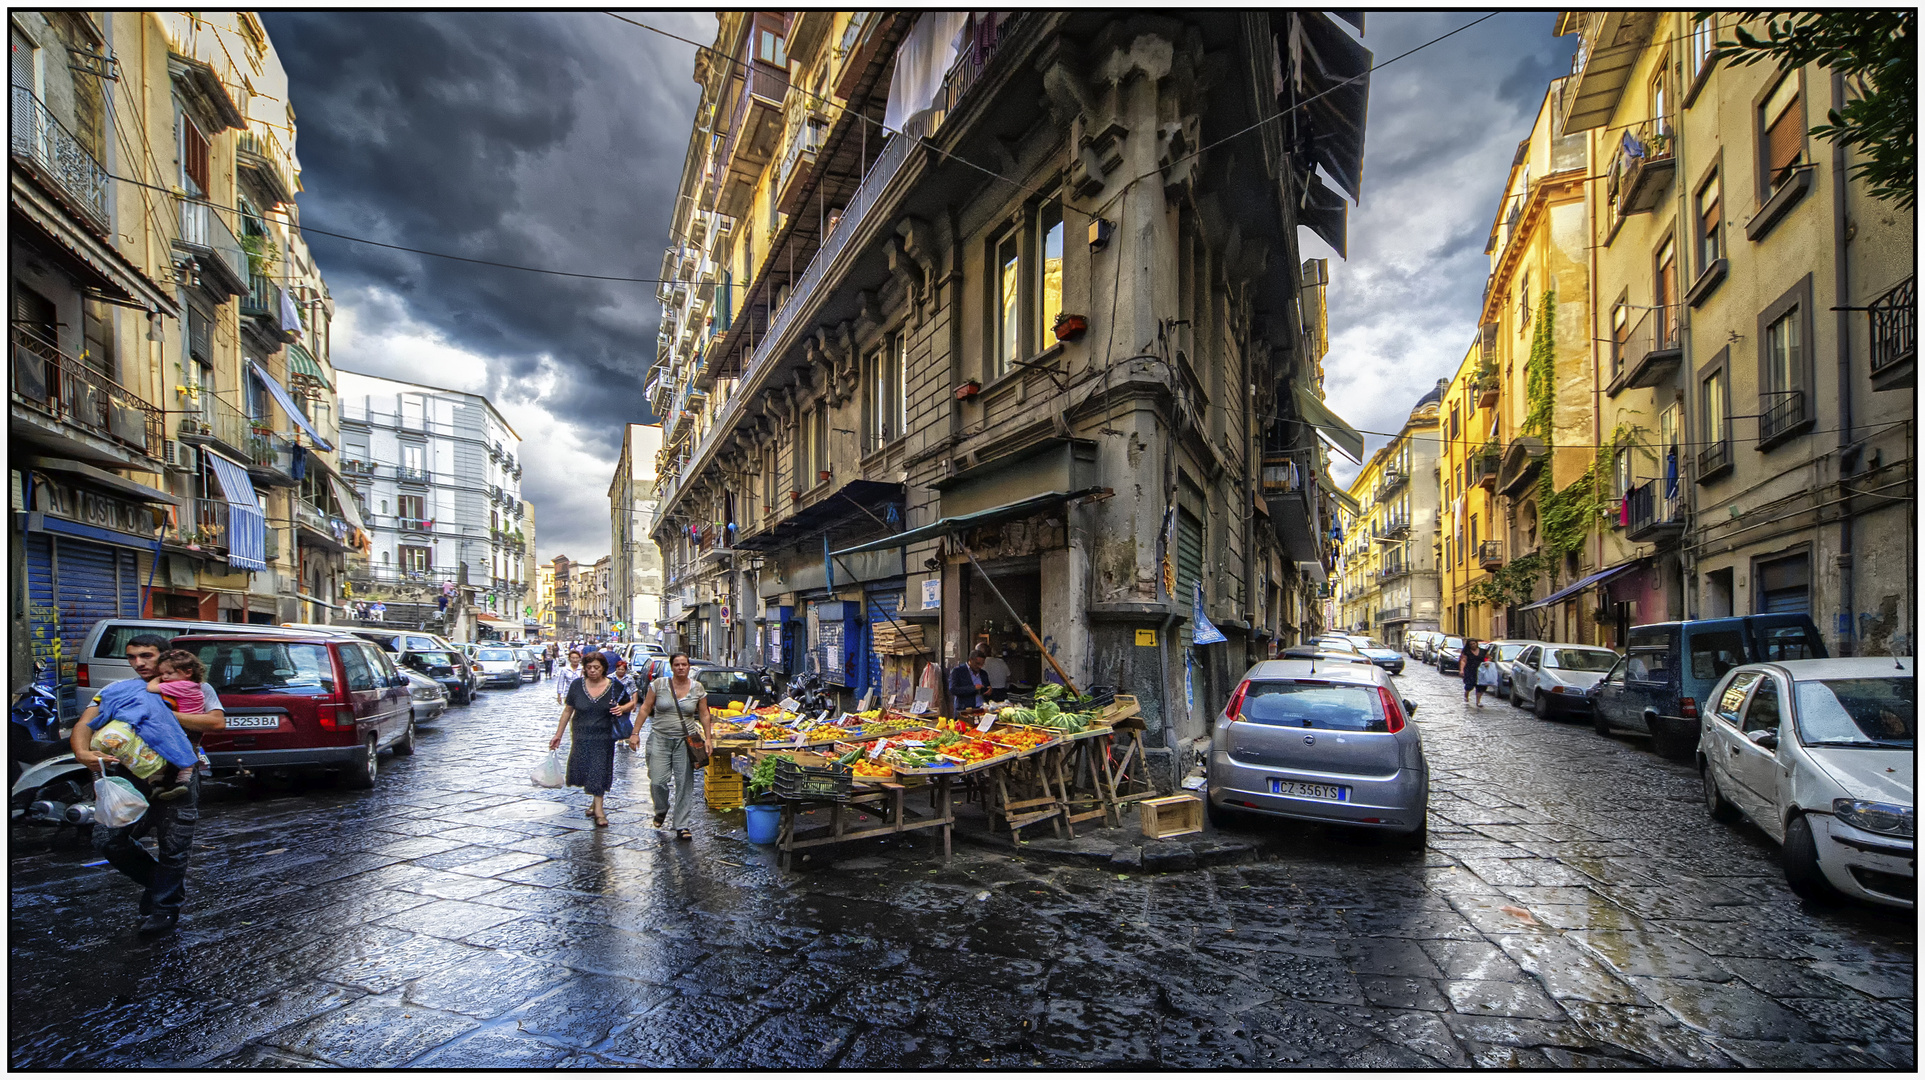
117	802
552	770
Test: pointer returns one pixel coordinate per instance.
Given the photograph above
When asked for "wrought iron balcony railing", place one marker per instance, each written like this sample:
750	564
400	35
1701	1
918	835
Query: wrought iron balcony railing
204	231
1651	508
1785	411
50	150
73	392
1894	326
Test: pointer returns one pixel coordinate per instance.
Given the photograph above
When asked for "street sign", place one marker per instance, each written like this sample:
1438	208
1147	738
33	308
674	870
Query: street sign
1146	637
621	626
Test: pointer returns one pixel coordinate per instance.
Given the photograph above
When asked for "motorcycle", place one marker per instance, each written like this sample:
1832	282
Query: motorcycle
807	690
48	787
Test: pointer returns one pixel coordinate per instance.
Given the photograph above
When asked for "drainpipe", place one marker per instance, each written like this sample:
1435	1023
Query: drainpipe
1841	286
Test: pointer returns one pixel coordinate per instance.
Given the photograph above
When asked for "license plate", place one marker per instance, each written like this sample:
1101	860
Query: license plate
1301	790
253	723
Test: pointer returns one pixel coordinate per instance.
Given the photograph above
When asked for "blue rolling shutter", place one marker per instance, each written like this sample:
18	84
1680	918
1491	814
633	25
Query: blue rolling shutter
90	580
43	618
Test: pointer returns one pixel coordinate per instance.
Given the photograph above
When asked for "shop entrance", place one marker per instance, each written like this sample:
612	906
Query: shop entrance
989	623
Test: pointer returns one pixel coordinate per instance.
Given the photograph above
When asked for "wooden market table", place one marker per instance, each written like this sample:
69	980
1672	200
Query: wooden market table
885	801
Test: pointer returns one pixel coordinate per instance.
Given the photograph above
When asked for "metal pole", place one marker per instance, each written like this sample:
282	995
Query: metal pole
1038	642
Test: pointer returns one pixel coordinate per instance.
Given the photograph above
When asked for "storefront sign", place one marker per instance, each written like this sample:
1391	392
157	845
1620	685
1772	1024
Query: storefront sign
931	593
1146	637
93	508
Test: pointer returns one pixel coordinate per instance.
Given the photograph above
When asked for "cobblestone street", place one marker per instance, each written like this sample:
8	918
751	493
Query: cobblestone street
1576	907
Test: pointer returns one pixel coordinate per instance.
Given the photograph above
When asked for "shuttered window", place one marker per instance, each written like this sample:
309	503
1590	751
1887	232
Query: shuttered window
1784	585
1189	566
193	158
1784	124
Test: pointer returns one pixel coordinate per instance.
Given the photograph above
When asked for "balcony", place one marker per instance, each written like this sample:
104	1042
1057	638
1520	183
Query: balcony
1393	570
1490	555
1394	479
798	161
1894	340
319	528
1484	467
1520	464
1487	389
410	474
1642	168
1652	513
69	391
262	303
267	454
754	121
1393	615
1714	461
51	154
1784	417
414	524
356	467
1394	528
261	153
204	234
1609	45
201	525
1651	352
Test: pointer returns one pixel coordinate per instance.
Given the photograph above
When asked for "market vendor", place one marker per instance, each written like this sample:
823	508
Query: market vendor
967	681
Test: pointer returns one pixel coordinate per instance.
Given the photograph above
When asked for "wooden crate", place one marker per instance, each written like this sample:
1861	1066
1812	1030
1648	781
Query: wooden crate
1172	815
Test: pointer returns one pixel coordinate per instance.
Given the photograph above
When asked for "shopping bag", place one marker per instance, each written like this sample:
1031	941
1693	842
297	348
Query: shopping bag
117	802
552	770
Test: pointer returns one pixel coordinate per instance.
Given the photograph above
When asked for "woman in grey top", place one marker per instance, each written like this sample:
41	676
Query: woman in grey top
675	707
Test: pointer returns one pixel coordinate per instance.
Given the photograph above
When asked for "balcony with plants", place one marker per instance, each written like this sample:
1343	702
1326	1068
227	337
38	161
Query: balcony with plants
68	392
1641	169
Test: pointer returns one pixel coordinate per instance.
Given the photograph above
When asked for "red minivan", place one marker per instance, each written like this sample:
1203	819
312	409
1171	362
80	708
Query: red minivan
297	700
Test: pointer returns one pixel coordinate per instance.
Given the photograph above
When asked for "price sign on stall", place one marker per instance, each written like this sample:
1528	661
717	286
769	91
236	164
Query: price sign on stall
876	750
789	704
988	721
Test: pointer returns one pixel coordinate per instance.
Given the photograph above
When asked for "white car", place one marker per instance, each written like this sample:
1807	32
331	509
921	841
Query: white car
1819	753
499	666
1554	678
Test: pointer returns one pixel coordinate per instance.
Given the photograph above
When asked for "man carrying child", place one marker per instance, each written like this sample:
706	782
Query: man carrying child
174	793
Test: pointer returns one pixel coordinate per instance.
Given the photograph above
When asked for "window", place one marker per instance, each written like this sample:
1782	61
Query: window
1783	124
416	560
899	397
360	673
1784	377
1049	276
1714	416
1620	334
885	375
1710	219
1715	652
1660	101
1764	713
770	47
1621	473
411	509
1858	712
1781	351
1704	35
1667	296
1473	532
1733	698
193	159
412	457
1009	303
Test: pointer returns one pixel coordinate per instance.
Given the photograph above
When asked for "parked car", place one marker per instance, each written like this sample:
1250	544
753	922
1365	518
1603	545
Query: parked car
426	697
1420	643
1378	653
1503	651
1320	742
499	665
1671	667
102	659
1323	655
530	664
1447	654
443	667
1556	678
304	701
391	641
1336	643
725	685
1820	755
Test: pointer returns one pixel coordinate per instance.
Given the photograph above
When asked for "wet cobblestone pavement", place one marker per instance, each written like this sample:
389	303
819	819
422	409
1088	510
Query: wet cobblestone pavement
1576	907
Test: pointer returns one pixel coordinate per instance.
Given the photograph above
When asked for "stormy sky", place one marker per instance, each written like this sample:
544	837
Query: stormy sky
556	140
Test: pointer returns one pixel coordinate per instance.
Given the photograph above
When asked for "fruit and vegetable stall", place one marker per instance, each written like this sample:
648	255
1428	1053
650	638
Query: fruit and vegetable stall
1055	760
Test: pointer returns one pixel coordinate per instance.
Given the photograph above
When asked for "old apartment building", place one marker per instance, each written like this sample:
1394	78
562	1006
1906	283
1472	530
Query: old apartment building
985	320
171	396
1388	582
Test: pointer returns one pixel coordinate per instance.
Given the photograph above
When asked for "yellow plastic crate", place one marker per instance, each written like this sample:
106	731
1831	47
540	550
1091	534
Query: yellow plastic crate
722	787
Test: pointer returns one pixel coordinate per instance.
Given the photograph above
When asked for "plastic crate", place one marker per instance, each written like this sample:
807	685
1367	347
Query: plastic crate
722	787
794	781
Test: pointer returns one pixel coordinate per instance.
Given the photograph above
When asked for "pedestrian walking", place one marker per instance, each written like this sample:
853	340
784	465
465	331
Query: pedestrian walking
593	704
1467	662
676	710
1486	674
163	880
548	659
567	676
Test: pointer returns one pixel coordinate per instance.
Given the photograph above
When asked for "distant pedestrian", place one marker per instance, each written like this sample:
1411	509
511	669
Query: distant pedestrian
548	659
568	675
676	709
1467	663
594	702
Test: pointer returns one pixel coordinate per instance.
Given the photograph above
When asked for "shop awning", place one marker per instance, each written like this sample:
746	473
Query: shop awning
486	619
246	524
1022	508
101	478
1580	585
300	363
286	402
1332	427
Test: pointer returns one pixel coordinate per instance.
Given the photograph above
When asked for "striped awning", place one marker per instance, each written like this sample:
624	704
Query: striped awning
300	363
246	524
286	402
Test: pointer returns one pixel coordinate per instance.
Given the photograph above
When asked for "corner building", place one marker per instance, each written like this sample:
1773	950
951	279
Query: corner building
971	304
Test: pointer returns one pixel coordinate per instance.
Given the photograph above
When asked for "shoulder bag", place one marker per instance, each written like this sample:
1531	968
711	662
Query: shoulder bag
624	724
698	751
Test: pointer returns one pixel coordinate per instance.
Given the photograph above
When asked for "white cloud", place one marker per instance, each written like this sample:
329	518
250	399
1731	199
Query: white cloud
562	474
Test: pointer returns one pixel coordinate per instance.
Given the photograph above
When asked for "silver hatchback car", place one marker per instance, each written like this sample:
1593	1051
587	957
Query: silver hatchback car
1320	741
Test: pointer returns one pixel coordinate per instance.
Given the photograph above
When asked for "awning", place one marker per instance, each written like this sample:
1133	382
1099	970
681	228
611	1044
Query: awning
101	478
1332	427
300	363
286	402
1581	584
1023	508
1343	497
350	509
489	620
246	524
93	260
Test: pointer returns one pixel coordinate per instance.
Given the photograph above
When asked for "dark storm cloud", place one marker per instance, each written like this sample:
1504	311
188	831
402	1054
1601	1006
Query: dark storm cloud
1443	126
542	139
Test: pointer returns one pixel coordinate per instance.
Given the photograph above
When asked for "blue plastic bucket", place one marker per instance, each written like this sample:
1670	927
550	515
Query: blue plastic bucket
765	823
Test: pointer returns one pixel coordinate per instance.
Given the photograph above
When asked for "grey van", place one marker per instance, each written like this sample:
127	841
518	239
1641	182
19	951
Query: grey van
1660	685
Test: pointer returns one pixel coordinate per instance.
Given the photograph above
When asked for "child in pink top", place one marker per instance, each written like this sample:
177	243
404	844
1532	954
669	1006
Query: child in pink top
178	682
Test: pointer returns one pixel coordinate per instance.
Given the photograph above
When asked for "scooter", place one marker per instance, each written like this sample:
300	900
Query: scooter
49	786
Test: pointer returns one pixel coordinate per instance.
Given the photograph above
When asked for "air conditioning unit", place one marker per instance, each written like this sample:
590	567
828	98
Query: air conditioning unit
180	456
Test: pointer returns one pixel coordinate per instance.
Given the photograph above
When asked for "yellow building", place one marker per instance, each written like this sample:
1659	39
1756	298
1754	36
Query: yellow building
1388	581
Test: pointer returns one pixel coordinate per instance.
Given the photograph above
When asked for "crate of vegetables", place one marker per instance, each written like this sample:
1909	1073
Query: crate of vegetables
797	781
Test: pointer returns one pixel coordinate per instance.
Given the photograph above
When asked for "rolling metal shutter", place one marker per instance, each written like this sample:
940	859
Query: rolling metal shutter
1189	567
79	583
43	618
